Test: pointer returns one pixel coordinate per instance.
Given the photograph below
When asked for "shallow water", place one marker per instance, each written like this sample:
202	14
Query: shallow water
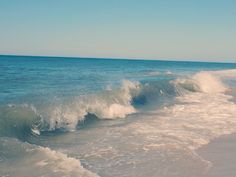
99	117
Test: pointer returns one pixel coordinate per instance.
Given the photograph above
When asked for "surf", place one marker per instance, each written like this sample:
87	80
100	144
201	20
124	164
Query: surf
112	103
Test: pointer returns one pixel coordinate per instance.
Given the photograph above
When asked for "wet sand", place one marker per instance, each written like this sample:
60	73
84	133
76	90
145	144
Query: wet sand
221	152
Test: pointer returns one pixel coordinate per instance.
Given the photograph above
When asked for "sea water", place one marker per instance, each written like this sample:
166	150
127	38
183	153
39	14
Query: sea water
109	117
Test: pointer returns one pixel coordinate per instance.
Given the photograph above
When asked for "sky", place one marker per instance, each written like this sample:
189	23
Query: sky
142	29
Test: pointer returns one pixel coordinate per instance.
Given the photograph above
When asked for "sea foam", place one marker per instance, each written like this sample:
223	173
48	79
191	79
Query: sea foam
42	161
110	104
201	113
205	81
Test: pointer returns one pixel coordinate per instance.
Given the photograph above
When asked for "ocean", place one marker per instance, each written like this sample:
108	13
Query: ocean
90	117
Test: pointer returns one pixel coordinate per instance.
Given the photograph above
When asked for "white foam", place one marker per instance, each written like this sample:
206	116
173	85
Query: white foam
168	72
111	104
230	73
60	162
32	160
209	83
197	119
198	116
154	73
205	81
158	73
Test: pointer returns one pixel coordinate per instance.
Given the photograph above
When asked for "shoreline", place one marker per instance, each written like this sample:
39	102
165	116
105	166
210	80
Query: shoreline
221	153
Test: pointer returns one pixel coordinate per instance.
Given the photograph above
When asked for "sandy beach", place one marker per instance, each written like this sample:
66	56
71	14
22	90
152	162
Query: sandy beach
221	153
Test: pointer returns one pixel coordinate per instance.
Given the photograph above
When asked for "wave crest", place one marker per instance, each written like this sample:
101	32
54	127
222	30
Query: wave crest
207	82
110	104
24	120
19	121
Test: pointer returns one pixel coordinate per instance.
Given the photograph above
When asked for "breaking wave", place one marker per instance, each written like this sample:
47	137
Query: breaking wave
20	121
23	120
42	161
110	104
206	82
202	112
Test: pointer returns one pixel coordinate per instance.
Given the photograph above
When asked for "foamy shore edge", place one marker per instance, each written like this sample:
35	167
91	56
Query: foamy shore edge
221	153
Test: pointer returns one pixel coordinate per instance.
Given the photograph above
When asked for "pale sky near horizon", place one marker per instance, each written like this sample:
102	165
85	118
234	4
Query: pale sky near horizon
145	29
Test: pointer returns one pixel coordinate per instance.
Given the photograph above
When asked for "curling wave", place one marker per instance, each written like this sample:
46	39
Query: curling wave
24	120
207	82
110	104
19	121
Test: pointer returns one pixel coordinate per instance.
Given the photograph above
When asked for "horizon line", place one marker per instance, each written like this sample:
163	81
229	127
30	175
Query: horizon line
119	58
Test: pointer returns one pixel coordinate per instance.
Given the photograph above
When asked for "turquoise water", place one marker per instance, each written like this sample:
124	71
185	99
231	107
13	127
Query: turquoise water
107	117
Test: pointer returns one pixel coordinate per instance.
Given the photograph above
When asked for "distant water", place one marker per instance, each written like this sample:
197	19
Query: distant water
106	117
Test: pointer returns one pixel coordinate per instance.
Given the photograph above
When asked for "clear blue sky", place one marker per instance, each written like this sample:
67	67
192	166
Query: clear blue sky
149	29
